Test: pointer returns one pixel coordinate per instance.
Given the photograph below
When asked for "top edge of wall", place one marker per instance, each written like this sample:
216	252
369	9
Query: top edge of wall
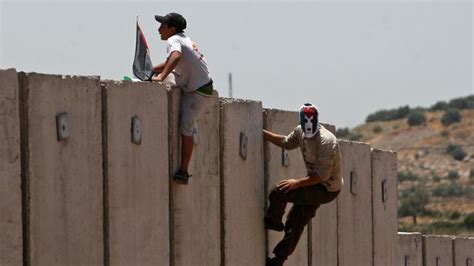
8	70
440	236
352	142
225	100
409	233
276	110
36	74
382	150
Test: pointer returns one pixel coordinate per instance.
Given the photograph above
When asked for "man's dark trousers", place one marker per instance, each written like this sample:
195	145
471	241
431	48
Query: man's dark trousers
306	200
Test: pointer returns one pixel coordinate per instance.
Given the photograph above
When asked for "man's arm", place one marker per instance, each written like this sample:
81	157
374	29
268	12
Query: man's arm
159	68
273	138
170	64
290	184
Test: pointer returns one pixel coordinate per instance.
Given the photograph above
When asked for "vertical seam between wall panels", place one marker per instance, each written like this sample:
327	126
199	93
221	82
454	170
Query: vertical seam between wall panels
221	184
105	175
372	203
169	93
24	162
265	115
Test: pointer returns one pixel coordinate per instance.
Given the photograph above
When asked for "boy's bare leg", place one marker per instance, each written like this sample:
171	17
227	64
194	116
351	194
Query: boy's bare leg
187	145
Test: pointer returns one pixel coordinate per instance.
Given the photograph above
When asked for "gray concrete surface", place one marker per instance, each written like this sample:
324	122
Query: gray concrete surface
463	250
11	247
243	183
324	235
324	230
354	211
137	174
437	250
283	122
64	177
384	204
409	249
195	207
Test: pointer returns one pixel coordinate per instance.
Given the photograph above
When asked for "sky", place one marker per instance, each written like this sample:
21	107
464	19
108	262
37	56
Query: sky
348	57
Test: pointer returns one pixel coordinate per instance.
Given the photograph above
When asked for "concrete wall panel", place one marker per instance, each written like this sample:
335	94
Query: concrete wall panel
65	177
384	204
196	207
243	183
324	235
463	251
354	206
10	192
283	122
437	250
137	174
324	230
409	249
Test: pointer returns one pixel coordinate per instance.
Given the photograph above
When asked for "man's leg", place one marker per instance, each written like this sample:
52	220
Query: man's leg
301	196
297	219
192	105
187	145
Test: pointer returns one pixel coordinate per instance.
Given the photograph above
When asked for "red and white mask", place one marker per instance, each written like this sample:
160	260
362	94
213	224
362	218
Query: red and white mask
309	120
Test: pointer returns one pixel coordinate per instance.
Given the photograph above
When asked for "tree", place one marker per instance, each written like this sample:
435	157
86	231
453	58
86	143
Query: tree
459	154
469	221
416	118
451	116
413	202
342	132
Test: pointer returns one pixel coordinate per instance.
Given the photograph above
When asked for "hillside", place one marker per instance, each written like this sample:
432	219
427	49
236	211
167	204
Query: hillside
425	160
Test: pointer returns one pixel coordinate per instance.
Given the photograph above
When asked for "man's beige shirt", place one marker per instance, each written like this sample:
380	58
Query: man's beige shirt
321	155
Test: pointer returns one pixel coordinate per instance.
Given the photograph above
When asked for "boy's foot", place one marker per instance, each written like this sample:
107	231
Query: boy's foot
274	262
181	177
269	225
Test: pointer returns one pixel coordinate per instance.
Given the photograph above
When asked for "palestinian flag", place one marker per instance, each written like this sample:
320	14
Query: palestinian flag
142	66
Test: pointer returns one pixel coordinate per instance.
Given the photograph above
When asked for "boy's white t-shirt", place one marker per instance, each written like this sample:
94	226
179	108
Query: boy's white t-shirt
191	71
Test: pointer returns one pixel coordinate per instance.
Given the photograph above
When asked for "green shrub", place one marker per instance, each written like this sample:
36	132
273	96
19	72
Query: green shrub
436	178
416	118
471	174
451	147
354	136
413	202
454	215
342	132
389	115
451	116
453	174
469	221
439	106
407	176
377	129
451	190
459	154
444	133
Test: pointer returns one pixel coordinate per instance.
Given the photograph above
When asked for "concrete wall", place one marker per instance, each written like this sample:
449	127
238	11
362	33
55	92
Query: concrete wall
10	192
437	250
283	122
409	249
324	236
137	173
354	210
463	251
64	177
195	208
242	183
324	230
384	207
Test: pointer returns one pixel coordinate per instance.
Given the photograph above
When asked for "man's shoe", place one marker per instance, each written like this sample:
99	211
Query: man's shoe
181	177
269	225
274	262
